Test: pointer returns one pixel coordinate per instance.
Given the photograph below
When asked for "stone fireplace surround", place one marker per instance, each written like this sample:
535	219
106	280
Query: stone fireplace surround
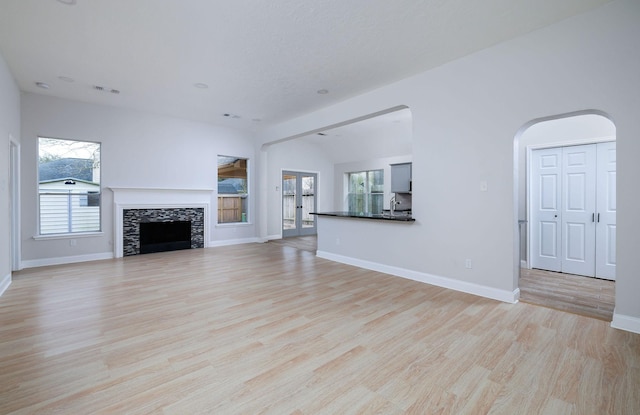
155	203
132	218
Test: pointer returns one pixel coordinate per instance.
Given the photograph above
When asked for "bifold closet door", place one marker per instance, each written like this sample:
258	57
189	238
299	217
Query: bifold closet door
606	212
546	186
579	210
573	209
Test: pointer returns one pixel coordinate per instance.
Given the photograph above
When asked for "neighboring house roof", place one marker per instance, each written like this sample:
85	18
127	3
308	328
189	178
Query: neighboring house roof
230	187
66	168
64	179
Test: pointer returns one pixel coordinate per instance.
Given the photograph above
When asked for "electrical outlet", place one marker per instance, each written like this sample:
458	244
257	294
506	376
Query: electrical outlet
467	263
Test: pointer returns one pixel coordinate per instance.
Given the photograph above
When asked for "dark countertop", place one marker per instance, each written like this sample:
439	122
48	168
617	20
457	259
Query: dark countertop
398	217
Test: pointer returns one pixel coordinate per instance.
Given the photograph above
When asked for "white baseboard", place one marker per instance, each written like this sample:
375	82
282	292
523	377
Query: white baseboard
33	263
627	323
5	283
272	237
523	264
457	285
227	242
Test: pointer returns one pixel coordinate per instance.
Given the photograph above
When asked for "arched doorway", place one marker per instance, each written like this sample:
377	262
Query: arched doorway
567	231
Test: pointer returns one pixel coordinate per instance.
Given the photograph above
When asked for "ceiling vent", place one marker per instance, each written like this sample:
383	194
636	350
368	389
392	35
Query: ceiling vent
105	89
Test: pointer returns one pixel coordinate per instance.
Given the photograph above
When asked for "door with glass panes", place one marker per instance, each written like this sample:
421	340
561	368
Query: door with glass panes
299	200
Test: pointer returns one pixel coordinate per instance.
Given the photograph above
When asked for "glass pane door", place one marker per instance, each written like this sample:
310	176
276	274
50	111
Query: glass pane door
308	200
289	210
298	202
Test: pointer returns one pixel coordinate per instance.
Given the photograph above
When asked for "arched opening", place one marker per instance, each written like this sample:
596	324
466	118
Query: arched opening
565	203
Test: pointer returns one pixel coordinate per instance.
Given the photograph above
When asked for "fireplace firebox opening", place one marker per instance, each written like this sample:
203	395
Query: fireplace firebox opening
164	236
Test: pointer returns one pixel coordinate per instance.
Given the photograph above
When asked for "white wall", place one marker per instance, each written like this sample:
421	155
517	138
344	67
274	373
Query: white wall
9	127
294	156
138	150
553	133
465	117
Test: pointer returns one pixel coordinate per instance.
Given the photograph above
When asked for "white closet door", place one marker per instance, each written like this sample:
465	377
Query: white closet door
546	185
579	209
606	212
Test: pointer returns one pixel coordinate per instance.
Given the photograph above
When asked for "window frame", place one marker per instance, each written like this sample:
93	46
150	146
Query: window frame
89	194
245	210
368	191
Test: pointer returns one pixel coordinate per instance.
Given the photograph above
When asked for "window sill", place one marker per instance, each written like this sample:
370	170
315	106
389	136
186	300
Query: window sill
67	235
231	224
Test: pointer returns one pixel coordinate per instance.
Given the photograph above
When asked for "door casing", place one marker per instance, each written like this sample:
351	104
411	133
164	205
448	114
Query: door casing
299	230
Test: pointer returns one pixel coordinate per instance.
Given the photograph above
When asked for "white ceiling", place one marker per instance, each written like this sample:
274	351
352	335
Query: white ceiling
385	135
263	60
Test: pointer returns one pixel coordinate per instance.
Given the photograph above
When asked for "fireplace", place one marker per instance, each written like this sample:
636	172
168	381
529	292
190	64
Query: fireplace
136	206
165	236
162	229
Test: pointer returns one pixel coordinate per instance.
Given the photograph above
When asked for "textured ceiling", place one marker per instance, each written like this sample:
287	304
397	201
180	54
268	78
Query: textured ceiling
263	60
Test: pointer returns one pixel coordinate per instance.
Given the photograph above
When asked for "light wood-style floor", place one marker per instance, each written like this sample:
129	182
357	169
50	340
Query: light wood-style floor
576	294
265	328
306	243
586	296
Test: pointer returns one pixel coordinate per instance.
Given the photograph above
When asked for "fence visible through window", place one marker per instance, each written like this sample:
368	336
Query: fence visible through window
69	212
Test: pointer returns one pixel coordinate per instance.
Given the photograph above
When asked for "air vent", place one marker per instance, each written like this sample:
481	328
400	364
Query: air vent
105	89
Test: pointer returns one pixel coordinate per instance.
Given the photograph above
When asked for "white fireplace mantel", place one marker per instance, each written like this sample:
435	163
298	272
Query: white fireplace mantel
152	198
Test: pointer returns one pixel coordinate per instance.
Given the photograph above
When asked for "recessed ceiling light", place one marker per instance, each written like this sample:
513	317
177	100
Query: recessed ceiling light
201	85
322	91
66	79
68	2
256	119
42	85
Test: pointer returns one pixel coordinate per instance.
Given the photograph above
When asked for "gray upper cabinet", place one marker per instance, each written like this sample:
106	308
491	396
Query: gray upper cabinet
401	178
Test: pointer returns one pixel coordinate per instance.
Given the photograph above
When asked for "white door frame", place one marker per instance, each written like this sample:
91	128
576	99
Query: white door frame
530	148
316	184
14	192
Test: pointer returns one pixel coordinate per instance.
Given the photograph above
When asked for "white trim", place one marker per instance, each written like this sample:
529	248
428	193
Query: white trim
68	235
66	260
14	192
233	224
627	323
227	242
466	287
524	264
5	283
273	237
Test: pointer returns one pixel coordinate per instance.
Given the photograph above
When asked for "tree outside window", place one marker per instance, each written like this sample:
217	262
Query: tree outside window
365	191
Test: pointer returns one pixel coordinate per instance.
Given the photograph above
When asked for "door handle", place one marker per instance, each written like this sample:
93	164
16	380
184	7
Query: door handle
598	218
593	217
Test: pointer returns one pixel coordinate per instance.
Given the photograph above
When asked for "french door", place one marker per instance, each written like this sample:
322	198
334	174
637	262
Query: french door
299	199
573	209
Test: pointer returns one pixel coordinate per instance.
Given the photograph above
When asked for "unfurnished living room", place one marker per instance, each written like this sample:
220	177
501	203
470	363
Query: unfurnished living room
319	207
